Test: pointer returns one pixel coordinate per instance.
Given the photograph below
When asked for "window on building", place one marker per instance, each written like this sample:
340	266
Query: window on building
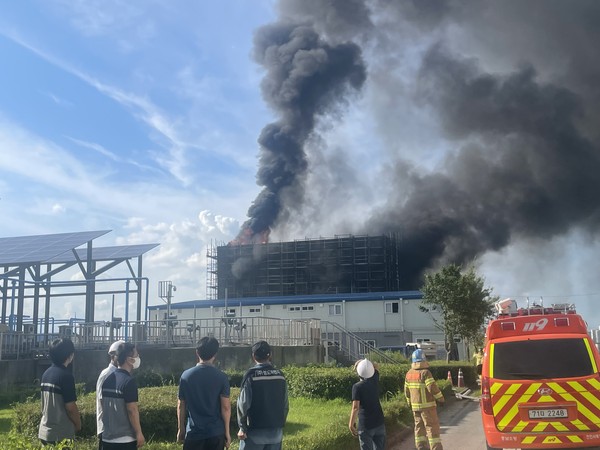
308	308
392	307
335	310
254	310
294	308
371	342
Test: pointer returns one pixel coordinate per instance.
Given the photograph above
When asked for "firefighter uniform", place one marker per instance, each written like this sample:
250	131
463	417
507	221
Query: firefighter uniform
421	393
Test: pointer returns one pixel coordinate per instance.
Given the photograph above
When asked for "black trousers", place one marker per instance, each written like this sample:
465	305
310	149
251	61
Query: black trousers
211	443
113	446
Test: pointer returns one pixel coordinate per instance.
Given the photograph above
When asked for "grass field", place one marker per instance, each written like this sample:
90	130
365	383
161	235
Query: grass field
305	427
5	418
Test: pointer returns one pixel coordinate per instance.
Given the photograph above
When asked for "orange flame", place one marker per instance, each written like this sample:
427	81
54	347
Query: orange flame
246	236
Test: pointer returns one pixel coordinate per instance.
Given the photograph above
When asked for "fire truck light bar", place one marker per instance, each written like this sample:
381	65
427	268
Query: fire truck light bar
508	326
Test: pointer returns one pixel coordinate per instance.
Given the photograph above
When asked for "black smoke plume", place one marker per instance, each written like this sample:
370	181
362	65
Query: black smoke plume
511	87
306	78
523	170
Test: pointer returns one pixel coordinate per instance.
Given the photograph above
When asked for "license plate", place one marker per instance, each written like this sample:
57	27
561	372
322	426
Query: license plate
556	413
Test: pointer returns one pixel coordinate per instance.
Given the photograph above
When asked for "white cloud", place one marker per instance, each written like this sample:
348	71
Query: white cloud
57	208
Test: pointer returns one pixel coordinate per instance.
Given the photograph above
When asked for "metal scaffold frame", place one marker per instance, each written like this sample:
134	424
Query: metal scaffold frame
342	264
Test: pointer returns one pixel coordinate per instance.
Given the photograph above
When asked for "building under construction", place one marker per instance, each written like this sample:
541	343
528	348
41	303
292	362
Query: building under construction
343	264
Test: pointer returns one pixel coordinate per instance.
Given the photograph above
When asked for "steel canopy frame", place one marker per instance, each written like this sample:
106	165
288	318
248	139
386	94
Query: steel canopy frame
32	262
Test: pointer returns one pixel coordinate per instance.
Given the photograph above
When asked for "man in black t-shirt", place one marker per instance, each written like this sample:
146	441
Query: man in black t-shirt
366	405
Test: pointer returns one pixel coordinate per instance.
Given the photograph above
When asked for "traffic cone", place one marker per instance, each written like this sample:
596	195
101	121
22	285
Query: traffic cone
450	378
461	380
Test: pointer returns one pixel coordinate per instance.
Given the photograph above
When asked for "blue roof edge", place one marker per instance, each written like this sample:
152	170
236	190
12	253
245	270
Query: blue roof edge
294	299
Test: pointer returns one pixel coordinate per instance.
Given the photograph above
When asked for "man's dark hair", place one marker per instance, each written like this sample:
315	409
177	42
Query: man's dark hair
125	351
261	351
207	348
60	350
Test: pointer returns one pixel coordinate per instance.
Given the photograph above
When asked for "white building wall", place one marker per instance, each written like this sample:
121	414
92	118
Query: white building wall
374	316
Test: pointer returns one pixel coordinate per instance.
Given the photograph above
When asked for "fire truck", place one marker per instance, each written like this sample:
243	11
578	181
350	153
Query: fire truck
540	386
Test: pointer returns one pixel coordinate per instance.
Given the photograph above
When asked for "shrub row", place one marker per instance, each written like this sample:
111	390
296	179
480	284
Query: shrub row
158	405
329	382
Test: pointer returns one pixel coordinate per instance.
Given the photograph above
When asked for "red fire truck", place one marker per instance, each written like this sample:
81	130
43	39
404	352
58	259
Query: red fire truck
540	386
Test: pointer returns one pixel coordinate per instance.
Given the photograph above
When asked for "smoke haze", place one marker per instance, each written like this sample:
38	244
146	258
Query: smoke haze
474	134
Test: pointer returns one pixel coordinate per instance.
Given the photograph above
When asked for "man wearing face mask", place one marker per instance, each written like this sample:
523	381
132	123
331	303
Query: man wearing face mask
112	366
60	415
121	416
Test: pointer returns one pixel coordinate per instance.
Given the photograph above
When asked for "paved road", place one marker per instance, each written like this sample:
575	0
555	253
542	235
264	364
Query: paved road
461	427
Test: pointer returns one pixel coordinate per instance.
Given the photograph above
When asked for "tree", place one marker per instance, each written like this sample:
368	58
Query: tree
461	301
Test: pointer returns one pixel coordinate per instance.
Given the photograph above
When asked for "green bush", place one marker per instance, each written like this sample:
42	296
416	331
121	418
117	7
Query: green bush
158	414
19	394
331	382
158	408
235	377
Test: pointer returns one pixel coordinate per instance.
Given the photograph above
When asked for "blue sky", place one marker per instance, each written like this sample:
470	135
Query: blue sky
142	118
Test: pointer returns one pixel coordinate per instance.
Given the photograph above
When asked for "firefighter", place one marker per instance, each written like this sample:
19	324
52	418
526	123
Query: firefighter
422	393
478	359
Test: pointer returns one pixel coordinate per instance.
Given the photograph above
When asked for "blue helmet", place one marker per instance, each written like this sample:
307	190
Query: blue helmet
418	356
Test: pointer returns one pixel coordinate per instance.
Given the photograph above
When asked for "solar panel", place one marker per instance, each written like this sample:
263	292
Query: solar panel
40	248
104	253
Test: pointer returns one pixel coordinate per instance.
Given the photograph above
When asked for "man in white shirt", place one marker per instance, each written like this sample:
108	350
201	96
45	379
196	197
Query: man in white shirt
112	366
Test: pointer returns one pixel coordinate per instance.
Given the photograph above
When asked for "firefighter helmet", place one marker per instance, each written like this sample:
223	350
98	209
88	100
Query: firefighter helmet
365	369
418	356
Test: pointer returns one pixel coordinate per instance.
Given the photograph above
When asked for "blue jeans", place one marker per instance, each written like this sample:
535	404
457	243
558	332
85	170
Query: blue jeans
247	444
373	439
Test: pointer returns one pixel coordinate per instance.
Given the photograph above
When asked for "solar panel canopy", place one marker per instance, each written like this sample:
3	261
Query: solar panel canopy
104	253
25	250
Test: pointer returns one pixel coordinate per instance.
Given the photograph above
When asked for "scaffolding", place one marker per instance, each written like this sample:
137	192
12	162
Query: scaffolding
211	270
342	264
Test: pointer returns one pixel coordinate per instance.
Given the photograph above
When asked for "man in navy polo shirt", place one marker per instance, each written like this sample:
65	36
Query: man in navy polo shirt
60	416
204	402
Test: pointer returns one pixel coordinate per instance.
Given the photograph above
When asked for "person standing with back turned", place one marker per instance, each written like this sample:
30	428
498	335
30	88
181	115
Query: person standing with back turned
422	393
204	402
366	405
263	404
60	415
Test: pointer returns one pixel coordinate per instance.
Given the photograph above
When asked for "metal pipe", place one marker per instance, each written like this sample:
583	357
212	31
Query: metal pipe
126	309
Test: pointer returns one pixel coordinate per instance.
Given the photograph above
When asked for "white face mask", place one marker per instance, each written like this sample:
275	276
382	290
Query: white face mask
136	362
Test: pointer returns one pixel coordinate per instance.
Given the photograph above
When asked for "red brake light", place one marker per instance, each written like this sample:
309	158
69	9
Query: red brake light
561	321
486	399
508	326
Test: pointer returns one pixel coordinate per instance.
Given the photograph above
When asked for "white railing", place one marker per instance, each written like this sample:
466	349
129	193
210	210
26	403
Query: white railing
341	344
168	333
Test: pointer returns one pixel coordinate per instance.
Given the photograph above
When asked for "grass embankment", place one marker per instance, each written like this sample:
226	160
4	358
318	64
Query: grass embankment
6	415
309	421
318	417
